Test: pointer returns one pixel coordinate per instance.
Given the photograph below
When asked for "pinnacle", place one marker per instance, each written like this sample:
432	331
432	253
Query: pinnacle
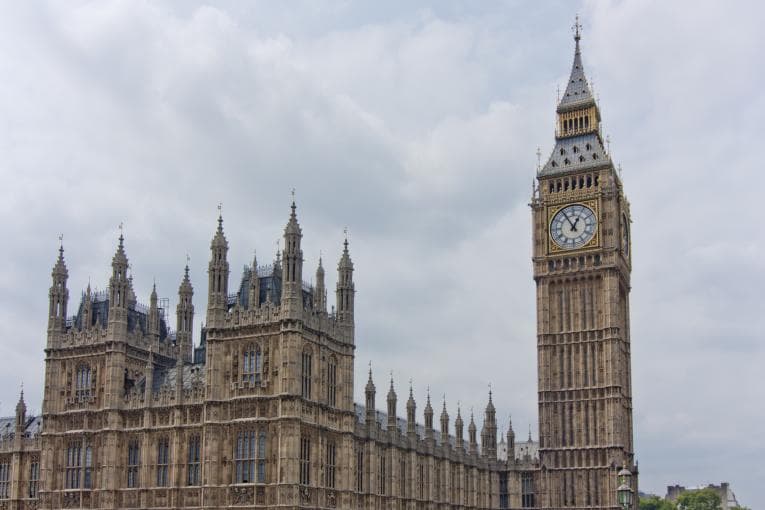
577	89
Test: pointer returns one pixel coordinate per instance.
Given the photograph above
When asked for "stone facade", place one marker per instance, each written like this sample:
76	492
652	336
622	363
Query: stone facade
261	413
582	264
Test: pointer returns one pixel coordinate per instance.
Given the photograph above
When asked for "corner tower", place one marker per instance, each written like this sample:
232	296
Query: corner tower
582	265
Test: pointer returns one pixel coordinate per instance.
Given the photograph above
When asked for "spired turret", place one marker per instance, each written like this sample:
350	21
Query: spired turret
185	318
153	315
292	268
320	299
254	291
458	427
345	288
392	399
411	416
428	418
510	441
444	426
369	392
472	436
489	431
120	291
217	290
58	295
21	414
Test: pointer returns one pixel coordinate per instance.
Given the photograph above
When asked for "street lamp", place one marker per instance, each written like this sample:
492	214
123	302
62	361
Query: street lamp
624	493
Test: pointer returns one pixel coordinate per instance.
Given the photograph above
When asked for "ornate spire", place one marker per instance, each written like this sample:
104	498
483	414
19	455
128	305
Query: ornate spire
577	90
219	239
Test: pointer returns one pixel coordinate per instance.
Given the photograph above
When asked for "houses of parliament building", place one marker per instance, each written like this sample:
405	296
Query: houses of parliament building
261	413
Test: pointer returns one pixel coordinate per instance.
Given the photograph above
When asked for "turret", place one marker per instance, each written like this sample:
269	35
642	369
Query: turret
428	418
345	288
185	318
119	292
489	431
87	308
444	426
254	296
320	299
392	408
21	414
411	416
510	442
58	295
292	269
153	315
458	426
370	391
217	290
472	436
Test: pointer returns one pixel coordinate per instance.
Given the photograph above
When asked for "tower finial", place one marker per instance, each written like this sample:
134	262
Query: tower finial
577	28
122	237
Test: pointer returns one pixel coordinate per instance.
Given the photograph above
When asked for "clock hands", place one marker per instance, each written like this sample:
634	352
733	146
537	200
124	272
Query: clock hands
572	223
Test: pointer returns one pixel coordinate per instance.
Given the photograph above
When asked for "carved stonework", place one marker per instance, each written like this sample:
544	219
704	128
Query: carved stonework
260	496
331	499
305	495
241	495
71	500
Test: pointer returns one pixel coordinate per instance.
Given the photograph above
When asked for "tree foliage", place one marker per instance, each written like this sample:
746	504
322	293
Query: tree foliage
656	503
704	499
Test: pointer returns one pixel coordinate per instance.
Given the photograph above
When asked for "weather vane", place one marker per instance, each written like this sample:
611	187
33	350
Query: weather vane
120	227
539	157
577	28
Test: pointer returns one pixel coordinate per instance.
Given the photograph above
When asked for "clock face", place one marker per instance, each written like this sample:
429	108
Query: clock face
573	226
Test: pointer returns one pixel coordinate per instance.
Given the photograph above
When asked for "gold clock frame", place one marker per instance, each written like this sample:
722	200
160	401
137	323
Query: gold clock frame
552	246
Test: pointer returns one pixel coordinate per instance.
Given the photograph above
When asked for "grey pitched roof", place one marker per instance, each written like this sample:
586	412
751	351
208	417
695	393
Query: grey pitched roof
577	90
32	427
166	378
575	153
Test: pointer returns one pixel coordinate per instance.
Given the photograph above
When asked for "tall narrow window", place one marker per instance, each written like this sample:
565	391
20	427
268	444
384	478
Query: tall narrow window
329	468
83	383
527	490
503	500
251	364
5	469
360	470
195	461
332	382
382	478
305	461
402	475
73	465
133	464
421	481
34	478
306	375
262	457
163	461
244	457
87	482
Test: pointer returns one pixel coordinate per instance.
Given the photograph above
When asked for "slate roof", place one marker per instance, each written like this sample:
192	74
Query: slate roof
576	153
577	90
8	426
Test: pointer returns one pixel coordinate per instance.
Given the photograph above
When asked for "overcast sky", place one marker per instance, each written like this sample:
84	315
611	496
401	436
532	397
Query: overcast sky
416	126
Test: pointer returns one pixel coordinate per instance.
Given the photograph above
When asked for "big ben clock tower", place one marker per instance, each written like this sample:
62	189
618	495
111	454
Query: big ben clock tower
582	264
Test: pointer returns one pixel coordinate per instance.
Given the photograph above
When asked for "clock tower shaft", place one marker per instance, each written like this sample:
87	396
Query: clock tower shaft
583	330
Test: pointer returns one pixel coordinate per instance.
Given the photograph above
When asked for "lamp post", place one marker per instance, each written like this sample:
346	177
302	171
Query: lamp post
624	494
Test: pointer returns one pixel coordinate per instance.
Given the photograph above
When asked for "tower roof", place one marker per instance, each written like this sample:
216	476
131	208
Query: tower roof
59	268
120	259
391	391
219	239
293	227
577	90
186	287
345	259
410	403
370	388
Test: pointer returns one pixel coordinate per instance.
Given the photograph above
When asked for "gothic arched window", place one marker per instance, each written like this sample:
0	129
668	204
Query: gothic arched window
249	452
332	381
305	373
252	364
83	383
